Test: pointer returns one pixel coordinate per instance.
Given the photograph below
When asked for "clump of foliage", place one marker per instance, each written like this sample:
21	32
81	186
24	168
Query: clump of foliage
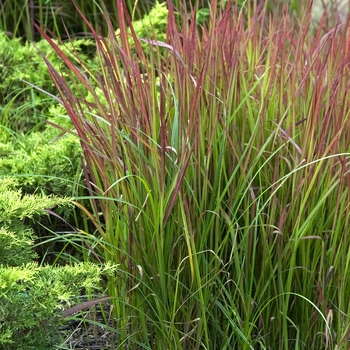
32	296
23	107
16	238
45	161
223	192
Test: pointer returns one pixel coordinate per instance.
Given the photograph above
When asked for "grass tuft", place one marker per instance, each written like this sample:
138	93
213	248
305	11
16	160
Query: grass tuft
218	175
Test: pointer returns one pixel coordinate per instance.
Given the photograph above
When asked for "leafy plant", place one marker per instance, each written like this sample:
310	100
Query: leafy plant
222	191
33	297
16	238
45	162
23	107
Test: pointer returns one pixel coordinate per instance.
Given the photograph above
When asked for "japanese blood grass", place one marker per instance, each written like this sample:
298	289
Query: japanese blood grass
219	180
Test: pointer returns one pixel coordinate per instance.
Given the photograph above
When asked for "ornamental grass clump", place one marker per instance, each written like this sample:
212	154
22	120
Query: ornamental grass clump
219	179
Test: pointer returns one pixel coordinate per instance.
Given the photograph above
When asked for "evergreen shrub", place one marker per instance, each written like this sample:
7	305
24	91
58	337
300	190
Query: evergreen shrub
23	107
32	296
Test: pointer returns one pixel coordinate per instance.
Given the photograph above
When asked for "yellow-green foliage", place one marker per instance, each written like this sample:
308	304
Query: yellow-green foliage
15	206
31	298
44	166
20	104
16	239
151	26
17	245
